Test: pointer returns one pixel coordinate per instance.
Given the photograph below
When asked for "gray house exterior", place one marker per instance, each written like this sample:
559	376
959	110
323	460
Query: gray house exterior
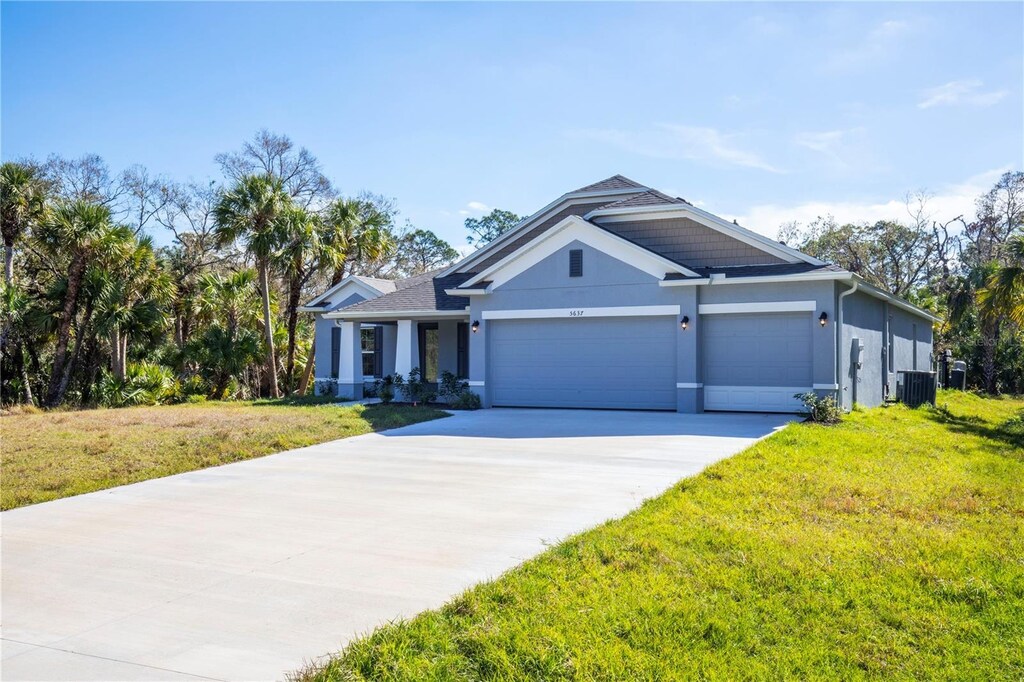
618	296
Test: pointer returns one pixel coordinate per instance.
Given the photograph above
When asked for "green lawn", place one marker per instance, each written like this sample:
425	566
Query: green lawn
891	545
47	455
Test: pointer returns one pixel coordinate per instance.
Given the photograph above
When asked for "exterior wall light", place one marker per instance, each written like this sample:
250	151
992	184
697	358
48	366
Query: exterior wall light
823	318
475	326
684	322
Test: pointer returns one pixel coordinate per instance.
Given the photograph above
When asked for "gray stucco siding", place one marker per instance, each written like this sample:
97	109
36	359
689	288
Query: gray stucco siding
872	322
536	231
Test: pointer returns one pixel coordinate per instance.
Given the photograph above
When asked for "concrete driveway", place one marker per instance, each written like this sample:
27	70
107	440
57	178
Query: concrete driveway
245	571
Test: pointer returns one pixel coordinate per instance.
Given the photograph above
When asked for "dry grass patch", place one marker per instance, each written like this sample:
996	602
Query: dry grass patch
47	455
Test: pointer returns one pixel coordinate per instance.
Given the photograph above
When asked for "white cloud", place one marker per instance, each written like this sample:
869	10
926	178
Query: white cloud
671	141
960	92
474	207
953	200
877	44
836	145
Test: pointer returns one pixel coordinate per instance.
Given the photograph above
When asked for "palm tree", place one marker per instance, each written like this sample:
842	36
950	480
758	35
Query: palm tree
230	306
251	211
359	230
22	204
15	306
135	294
83	231
1004	290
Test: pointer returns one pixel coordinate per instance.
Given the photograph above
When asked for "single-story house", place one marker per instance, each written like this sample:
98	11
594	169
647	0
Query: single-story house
616	295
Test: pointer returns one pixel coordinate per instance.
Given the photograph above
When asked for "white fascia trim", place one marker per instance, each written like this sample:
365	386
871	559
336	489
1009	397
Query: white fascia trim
351	280
311	309
582	312
570	199
683	282
764	279
395	314
825	387
872	290
467	292
762	307
475	383
570	229
710	220
689	385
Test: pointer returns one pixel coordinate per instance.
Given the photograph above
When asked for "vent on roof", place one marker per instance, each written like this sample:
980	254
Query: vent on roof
576	262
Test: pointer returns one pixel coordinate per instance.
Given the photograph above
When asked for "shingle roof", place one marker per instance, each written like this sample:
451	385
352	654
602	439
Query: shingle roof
423	292
760	270
385	286
614	182
651	197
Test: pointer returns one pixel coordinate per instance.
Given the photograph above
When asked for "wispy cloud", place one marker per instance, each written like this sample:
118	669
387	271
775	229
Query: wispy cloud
672	141
879	42
833	144
947	203
967	92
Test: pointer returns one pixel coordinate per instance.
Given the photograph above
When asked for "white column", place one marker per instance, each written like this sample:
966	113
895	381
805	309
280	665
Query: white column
346	363
405	347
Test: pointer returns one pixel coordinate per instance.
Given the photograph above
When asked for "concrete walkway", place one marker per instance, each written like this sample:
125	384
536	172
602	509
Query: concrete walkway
244	571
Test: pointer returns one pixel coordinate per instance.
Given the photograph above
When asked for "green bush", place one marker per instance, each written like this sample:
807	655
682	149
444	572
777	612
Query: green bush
822	410
186	389
144	383
456	393
415	389
384	388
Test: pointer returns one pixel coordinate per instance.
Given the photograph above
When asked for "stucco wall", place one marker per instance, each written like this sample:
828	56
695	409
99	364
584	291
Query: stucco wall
322	339
872	320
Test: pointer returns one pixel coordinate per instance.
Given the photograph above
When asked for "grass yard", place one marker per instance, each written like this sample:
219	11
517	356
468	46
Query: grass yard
47	455
891	545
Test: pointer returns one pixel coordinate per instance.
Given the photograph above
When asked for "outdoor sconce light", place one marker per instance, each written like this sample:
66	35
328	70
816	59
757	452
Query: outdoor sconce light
475	326
823	318
683	322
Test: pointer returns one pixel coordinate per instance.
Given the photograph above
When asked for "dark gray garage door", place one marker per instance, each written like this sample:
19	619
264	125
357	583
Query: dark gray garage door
756	362
614	362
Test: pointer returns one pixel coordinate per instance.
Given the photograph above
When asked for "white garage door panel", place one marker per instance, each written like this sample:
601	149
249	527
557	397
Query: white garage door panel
624	363
756	362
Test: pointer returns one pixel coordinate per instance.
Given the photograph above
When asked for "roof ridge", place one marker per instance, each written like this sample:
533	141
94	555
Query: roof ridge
616	181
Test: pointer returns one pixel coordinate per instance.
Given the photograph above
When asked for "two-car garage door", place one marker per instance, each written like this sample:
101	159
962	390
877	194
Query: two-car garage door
756	362
751	361
609	362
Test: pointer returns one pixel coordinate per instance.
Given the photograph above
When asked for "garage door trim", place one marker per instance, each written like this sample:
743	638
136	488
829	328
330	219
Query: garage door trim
582	311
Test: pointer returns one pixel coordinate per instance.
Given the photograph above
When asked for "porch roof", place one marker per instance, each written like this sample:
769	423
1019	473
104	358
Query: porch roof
426	295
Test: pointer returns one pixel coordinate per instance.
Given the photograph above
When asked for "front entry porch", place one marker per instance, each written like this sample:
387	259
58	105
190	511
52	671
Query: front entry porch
363	351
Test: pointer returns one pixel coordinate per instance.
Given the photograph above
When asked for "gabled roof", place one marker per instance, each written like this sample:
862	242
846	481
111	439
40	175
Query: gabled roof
424	292
574	228
614	182
368	286
651	197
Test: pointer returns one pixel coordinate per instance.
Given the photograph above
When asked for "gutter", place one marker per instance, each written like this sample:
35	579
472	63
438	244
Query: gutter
837	332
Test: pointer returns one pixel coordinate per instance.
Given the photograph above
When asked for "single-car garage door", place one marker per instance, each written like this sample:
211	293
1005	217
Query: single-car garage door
613	362
756	362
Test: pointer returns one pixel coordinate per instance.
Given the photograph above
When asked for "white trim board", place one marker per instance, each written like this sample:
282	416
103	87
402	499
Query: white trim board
388	315
762	307
575	229
689	385
581	312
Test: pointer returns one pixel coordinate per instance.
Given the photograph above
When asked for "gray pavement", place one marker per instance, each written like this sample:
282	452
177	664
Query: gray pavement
245	571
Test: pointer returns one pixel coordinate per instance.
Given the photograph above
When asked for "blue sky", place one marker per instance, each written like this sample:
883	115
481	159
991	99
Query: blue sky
763	112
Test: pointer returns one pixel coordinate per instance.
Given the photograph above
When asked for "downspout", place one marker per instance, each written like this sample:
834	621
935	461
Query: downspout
838	334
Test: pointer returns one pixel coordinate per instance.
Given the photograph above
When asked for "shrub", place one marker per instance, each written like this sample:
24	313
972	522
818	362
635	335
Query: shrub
822	410
466	401
185	390
384	388
144	384
456	393
325	387
415	389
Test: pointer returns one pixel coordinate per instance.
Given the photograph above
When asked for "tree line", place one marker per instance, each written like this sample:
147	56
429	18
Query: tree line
95	313
967	269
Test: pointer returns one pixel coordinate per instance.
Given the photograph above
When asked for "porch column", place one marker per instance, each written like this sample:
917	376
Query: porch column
350	365
406	348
